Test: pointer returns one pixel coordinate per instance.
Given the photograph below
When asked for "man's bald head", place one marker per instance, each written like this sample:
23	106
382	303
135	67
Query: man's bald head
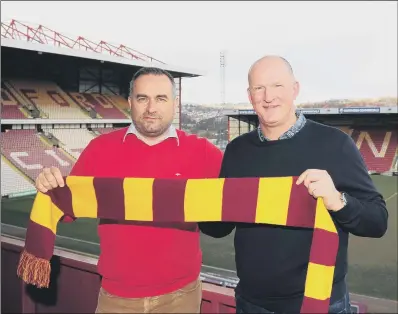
272	91
277	63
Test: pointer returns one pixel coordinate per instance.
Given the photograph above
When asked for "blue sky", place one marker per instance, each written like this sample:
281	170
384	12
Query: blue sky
337	49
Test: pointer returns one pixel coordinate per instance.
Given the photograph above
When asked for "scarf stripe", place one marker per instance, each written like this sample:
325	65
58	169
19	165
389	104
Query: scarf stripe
315	306
84	197
39	248
138	199
208	204
46	213
63	199
302	208
168	200
276	201
239	193
108	195
320	252
271	209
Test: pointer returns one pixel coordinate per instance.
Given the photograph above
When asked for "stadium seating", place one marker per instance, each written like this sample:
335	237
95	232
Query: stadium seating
378	148
104	130
103	105
54	103
29	152
49	99
11	108
12	181
121	103
73	141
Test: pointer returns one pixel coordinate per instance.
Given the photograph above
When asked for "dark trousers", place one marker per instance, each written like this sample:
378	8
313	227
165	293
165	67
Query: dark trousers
243	306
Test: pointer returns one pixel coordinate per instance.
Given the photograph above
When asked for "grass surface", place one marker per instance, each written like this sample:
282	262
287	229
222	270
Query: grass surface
372	262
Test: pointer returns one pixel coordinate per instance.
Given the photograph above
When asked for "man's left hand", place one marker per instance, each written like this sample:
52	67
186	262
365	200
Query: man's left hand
320	184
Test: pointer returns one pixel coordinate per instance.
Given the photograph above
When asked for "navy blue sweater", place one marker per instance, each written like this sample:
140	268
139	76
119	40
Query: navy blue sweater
272	261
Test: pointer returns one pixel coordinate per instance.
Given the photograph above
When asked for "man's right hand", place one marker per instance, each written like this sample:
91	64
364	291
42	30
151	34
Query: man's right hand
49	179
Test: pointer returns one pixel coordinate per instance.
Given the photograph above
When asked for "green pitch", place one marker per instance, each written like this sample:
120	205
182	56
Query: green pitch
372	262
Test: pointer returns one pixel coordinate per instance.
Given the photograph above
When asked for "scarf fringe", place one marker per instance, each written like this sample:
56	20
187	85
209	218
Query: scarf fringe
34	270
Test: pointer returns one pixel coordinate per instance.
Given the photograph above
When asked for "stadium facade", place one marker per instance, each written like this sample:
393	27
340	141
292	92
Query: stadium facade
58	94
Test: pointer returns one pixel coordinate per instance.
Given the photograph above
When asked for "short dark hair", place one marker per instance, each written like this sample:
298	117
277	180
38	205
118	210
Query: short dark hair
152	71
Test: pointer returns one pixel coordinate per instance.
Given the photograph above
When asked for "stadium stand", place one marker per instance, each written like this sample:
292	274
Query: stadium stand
12	181
54	103
11	108
104	130
395	165
28	151
120	102
378	148
48	98
101	104
72	141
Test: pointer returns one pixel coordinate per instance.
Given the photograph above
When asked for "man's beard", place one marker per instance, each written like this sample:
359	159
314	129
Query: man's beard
150	129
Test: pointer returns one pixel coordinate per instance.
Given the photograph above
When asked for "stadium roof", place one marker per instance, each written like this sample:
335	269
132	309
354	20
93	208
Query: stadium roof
45	40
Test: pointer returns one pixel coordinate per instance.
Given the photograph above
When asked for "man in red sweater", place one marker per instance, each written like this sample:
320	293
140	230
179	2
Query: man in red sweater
147	268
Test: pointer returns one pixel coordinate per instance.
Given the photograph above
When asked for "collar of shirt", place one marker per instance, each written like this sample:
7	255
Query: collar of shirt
301	120
171	133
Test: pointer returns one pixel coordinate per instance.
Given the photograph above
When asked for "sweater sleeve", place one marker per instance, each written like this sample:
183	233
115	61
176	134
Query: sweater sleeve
218	229
365	214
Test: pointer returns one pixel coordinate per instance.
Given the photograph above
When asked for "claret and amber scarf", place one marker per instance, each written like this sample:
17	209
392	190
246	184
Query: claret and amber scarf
276	201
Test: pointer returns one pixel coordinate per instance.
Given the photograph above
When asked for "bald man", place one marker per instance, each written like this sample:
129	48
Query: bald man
272	261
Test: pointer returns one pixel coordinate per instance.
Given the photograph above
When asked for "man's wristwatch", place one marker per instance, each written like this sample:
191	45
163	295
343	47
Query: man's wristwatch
343	198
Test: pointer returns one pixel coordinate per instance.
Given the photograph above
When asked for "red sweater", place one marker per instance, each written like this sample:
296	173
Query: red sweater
142	260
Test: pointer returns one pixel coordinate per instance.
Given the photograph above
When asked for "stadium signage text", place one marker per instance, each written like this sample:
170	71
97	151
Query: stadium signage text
309	111
246	112
345	110
360	110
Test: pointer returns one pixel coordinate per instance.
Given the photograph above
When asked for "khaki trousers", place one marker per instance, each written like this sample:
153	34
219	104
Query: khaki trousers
185	300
